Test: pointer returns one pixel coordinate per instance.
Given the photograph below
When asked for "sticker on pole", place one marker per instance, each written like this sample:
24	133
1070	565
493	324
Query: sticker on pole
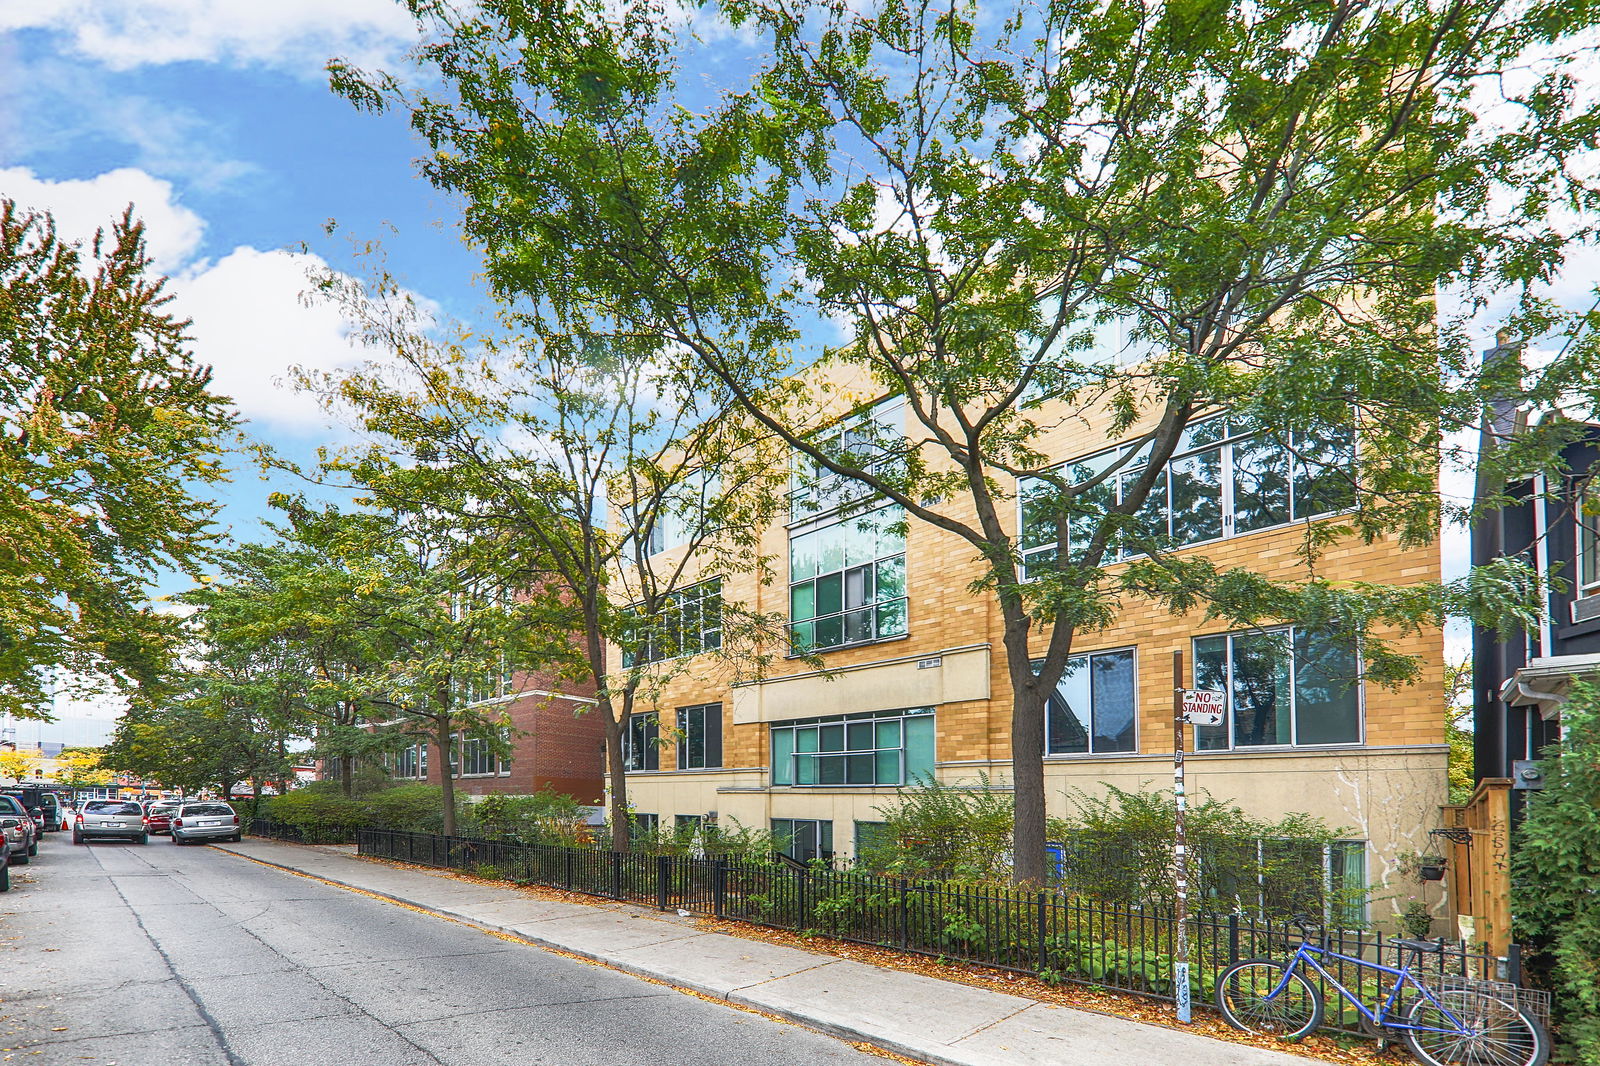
1203	706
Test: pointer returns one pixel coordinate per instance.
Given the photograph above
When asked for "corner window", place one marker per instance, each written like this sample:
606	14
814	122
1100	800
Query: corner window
1284	687
847	581
640	750
878	748
870	440
690	623
1219	483
700	737
1094	710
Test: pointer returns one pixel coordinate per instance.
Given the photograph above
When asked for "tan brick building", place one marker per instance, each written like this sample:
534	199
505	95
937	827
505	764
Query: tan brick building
918	681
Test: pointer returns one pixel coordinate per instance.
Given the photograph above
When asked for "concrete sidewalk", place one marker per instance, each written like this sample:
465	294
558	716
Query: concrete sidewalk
936	1021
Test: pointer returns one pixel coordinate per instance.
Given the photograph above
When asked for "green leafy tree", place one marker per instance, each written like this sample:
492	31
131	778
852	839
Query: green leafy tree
1264	200
304	615
1556	865
453	615
626	486
108	429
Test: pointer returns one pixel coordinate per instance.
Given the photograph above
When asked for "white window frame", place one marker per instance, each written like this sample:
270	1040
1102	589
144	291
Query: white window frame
1586	539
839	518
671	617
1091	753
1294	723
1224	445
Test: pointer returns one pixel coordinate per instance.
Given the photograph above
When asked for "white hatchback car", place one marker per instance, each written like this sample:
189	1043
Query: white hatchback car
204	821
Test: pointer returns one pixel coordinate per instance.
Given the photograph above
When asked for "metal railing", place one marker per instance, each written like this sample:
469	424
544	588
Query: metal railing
1056	937
299	834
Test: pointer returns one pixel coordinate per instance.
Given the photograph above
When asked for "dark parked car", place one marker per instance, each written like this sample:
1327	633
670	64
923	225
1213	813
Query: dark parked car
122	819
22	852
48	803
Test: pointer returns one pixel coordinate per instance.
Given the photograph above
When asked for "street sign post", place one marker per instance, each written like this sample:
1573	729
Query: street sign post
1180	848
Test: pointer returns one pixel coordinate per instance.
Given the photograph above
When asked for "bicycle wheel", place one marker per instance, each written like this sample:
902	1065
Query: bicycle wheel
1244	995
1486	1031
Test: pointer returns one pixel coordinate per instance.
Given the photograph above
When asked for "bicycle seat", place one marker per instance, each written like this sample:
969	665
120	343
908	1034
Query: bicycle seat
1419	945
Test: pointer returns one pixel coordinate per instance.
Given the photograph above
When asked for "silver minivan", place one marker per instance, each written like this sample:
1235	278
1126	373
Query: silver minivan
204	821
119	819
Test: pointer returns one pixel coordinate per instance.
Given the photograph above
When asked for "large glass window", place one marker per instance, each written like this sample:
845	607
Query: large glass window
878	748
1284	686
700	736
847	581
690	624
640	750
681	512
1095	707
870	440
1220	482
804	838
477	757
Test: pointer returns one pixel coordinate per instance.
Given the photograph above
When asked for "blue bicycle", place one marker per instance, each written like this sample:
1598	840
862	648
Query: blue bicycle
1453	1022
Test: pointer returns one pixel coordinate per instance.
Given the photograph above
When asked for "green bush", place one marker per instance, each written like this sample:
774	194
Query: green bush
548	817
943	831
1556	866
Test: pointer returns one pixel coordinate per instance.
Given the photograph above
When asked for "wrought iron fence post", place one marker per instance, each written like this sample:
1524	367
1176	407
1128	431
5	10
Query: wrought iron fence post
800	877
1233	939
663	877
616	875
1042	924
905	913
569	852
719	887
1514	964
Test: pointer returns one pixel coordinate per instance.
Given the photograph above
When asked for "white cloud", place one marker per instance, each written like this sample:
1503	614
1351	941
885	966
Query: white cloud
250	321
172	232
252	325
297	35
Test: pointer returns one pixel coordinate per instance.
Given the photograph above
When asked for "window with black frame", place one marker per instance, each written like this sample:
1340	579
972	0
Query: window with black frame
700	737
641	749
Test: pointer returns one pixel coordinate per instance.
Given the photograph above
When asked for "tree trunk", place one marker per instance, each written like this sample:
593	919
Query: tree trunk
447	784
1027	757
617	776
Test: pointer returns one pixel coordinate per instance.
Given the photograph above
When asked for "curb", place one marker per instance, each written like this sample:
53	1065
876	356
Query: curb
732	999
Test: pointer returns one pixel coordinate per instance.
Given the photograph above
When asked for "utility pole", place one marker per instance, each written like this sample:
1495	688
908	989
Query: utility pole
1180	850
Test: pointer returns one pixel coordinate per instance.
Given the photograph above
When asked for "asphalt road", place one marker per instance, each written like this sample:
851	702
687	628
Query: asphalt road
112	953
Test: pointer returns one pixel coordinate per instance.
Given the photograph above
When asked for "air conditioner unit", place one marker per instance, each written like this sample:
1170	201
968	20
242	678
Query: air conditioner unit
1586	608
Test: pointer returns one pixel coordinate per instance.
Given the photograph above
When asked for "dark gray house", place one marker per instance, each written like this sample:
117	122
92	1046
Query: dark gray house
1521	682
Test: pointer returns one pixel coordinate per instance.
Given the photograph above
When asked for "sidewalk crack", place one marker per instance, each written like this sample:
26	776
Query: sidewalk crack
782	977
991	1025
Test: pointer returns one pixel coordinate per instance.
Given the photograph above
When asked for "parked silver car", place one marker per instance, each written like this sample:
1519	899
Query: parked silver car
204	821
13	846
115	819
24	849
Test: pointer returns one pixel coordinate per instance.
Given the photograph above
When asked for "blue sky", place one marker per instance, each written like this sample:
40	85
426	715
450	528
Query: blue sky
215	121
213	118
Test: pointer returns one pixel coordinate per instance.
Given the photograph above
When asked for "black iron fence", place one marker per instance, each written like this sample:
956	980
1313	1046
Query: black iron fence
1047	934
299	834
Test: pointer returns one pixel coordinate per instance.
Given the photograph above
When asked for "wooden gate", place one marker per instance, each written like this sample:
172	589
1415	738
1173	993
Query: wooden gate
1478	870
